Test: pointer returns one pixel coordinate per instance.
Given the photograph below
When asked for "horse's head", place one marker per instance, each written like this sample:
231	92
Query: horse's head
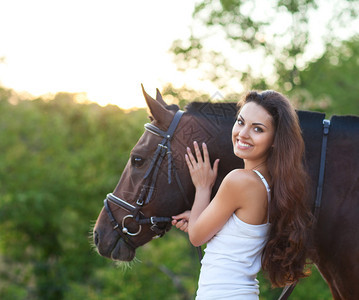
137	211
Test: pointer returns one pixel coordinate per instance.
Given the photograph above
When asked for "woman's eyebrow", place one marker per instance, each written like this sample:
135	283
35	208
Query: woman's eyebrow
259	124
256	123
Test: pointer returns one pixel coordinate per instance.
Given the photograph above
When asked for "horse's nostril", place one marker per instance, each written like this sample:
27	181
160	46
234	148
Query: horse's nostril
95	238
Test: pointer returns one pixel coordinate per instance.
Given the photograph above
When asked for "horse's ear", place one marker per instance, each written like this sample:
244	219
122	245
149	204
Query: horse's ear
159	98
158	111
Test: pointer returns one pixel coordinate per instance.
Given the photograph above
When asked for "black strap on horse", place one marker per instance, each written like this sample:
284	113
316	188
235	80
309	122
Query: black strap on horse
163	149
167	135
318	199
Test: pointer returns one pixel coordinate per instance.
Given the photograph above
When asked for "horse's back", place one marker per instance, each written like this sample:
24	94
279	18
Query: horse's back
342	162
337	235
341	193
311	124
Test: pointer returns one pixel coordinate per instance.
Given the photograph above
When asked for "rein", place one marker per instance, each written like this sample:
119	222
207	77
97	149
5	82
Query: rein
318	199
163	149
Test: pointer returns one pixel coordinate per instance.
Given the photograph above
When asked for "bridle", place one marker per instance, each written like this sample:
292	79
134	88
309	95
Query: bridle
135	213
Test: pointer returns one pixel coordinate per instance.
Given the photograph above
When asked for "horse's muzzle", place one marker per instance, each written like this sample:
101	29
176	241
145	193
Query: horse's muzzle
116	250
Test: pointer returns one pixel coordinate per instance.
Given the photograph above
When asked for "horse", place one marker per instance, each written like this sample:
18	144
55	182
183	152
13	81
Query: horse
156	184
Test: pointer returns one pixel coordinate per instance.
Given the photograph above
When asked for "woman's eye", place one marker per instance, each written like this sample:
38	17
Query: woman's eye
258	129
137	161
240	122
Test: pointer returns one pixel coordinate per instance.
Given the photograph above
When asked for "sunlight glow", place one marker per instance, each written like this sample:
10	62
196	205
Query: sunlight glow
105	49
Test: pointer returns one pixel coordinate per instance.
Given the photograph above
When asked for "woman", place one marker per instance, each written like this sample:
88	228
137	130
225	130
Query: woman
259	217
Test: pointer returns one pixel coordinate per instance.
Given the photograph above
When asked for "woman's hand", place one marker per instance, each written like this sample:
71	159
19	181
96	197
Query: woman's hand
202	174
181	220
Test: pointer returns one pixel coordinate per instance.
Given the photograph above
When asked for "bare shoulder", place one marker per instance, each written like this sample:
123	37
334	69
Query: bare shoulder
245	188
240	179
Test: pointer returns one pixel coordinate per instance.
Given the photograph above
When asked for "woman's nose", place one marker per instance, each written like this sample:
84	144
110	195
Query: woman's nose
243	132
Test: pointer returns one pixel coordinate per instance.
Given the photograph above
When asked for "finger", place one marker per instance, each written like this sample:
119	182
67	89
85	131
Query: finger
198	152
184	227
184	215
180	224
191	157
189	163
179	216
176	224
215	166
205	153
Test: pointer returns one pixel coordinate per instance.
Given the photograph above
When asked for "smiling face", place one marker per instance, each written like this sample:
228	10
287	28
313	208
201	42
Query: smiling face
253	134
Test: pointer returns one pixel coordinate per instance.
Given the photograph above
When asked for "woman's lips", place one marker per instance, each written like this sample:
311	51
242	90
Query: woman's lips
243	145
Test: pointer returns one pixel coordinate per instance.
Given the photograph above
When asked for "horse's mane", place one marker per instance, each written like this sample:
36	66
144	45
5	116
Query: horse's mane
310	119
197	108
348	124
173	107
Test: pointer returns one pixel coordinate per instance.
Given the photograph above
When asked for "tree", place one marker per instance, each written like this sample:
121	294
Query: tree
59	160
329	84
262	44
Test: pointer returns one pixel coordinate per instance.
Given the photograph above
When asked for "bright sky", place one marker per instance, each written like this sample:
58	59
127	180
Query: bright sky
104	48
107	48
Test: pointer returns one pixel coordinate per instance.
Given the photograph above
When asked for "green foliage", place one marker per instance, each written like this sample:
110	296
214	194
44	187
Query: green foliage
59	159
281	34
182	96
331	80
312	288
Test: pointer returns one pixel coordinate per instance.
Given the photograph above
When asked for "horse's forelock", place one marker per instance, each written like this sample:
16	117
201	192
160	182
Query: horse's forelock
197	107
194	107
172	107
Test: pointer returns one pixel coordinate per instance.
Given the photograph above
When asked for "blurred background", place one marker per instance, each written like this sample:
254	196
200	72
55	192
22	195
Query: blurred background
71	109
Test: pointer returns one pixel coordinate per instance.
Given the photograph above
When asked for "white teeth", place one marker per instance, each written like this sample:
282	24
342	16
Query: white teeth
243	145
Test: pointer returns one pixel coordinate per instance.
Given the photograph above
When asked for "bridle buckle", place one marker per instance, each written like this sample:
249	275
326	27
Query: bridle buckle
152	221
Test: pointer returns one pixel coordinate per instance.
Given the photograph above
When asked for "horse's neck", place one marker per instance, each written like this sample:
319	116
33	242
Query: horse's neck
212	123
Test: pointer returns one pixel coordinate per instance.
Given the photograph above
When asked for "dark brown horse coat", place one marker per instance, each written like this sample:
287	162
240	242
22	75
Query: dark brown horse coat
336	234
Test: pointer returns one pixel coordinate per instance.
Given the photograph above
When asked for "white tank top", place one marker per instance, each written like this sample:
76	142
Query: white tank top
232	260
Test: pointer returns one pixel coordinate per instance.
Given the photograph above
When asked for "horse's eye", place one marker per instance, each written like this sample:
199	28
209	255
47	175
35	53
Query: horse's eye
137	161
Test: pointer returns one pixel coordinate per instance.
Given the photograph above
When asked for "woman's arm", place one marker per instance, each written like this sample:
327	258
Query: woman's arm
207	218
217	212
203	178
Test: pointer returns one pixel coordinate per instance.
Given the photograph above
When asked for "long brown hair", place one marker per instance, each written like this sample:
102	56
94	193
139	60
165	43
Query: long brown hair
287	249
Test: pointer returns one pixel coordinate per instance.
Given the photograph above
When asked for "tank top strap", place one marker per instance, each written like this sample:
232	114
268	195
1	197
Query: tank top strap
267	188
